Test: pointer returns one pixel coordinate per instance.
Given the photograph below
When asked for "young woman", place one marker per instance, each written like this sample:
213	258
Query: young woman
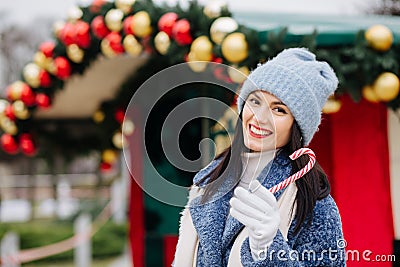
232	219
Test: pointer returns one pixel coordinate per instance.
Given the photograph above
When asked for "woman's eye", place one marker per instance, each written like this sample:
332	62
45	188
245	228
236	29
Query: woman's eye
279	110
254	101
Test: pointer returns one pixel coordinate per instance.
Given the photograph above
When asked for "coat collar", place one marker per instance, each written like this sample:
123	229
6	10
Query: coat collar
213	225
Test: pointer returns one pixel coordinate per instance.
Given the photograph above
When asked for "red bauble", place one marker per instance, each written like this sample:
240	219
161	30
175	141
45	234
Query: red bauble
99	27
127	25
181	32
63	68
45	80
9	144
43	100
14	90
28	96
115	40
119	115
68	34
47	48
9	112
27	145
95	7
105	166
167	22
82	31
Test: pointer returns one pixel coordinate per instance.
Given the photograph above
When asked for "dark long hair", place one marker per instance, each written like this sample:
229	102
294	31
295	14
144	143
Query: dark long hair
310	188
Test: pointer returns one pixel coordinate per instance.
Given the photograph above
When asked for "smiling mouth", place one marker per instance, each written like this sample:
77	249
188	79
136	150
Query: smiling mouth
258	132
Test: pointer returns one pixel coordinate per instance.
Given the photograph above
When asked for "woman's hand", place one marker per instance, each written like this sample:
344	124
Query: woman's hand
257	209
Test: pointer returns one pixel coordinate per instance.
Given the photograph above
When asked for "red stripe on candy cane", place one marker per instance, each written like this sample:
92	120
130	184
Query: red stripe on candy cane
298	174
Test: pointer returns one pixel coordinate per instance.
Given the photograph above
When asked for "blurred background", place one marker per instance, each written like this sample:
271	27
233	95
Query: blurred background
69	68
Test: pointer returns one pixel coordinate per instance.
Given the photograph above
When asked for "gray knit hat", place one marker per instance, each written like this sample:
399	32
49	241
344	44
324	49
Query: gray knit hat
301	82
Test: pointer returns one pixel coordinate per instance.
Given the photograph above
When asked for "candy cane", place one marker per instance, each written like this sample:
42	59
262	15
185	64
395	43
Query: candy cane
298	174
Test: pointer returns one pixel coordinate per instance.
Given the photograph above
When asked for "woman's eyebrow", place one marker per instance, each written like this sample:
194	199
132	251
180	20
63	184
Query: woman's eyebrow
278	103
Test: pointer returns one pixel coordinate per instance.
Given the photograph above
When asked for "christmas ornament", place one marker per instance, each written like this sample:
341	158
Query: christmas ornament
119	115
125	5
132	46
67	34
221	27
43	100
44	78
127	25
47	48
369	94
3	104
105	167
99	27
202	48
8	125
379	37
82	34
98	116
9	112
61	68
141	24
27	96
58	26
214	8
9	144
386	86
167	22
14	90
128	127
238	74
74	53
31	74
109	156
181	32
113	19
119	140
27	145
162	42
96	5
20	110
234	47
41	60
194	64
111	45
332	105
74	14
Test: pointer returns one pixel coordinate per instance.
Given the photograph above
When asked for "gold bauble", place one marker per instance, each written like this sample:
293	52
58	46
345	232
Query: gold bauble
141	24
113	19
202	48
16	90
75	53
8	125
332	105
106	49
74	14
20	110
196	65
3	105
238	74
98	116
128	127
41	60
162	42
379	37
221	27
57	27
109	156
214	8
369	94
124	5
119	140
387	86
31	74
234	47
132	46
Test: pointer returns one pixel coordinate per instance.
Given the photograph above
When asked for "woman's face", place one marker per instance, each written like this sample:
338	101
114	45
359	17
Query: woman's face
267	122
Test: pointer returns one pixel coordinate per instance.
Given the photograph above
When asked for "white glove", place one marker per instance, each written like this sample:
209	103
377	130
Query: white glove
257	209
